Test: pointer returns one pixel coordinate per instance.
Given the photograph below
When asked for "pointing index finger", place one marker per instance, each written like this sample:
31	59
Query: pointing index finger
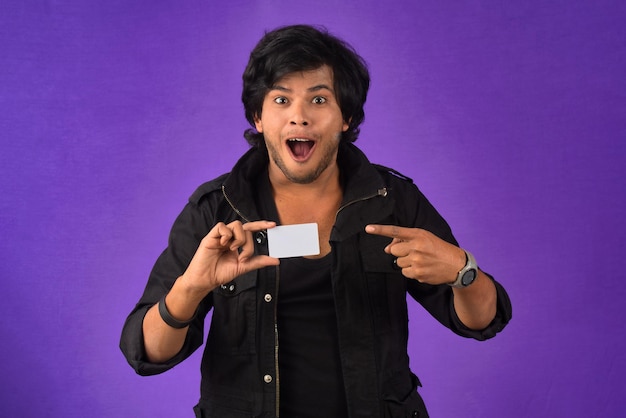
391	231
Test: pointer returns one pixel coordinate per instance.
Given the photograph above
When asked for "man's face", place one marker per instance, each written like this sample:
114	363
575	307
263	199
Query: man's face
302	125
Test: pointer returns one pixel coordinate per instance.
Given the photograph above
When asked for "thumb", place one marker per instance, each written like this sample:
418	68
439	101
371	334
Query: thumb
258	262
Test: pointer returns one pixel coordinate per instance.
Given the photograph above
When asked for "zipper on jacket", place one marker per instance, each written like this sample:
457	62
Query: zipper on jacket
380	192
237	211
276	369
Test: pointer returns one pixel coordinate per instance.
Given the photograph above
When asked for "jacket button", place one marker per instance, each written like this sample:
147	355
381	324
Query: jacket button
415	414
230	287
260	237
395	264
267	378
267	297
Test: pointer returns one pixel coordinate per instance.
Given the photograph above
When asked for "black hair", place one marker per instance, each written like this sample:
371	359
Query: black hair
298	48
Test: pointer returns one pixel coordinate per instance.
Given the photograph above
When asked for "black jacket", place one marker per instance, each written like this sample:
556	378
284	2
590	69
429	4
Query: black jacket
239	367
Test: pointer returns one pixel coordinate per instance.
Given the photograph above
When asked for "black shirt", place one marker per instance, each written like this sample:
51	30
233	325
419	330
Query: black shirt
311	383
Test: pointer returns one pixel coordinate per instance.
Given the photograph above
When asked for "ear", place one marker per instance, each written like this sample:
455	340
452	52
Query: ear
258	124
345	125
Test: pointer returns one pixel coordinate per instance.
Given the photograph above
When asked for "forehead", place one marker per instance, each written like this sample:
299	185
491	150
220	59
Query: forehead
321	76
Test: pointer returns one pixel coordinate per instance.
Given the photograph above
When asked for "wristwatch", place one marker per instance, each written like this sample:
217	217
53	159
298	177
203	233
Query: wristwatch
468	273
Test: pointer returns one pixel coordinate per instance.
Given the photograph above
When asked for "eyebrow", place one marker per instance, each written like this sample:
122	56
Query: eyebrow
310	89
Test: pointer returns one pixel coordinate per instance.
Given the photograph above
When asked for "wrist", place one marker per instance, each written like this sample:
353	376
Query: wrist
189	290
468	273
180	304
169	319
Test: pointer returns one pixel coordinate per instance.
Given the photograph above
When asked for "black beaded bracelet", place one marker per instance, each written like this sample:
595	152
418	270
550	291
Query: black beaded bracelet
169	319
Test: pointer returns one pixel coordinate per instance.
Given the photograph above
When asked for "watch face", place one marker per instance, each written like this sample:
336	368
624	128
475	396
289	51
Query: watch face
468	277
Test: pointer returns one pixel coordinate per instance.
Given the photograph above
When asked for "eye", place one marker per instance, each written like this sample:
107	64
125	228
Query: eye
280	100
319	100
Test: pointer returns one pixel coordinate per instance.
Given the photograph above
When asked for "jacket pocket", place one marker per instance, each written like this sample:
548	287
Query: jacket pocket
399	404
223	407
386	287
233	324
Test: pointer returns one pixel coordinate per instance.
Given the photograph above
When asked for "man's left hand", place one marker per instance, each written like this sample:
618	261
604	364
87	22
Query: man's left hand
420	254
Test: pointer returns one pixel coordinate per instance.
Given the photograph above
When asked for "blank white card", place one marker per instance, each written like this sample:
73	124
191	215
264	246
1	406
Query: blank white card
293	240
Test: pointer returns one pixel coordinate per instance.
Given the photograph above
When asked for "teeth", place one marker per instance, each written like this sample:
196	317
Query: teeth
298	140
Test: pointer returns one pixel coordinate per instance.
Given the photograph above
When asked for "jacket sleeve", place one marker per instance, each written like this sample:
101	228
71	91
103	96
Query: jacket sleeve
185	236
438	300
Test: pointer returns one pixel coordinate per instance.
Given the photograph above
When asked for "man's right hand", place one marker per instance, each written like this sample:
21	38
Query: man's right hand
226	252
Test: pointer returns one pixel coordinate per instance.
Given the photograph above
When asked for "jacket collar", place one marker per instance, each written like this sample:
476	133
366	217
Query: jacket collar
360	179
365	200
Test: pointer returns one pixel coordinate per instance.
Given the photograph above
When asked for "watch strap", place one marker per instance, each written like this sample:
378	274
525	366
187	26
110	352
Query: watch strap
470	264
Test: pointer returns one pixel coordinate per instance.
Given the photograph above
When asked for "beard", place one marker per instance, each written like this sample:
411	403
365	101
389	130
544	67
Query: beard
329	155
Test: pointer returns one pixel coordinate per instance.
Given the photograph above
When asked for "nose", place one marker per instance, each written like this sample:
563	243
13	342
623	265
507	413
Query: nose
299	116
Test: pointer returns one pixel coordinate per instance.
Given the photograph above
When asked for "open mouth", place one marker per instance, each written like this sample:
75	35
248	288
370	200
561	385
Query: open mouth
300	148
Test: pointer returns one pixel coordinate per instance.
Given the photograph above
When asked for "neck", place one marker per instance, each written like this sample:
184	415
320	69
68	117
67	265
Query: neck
327	184
315	202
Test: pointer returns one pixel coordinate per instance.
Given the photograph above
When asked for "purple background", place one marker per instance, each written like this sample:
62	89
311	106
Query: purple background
510	116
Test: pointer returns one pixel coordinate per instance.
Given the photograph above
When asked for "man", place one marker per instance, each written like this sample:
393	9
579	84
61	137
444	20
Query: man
316	336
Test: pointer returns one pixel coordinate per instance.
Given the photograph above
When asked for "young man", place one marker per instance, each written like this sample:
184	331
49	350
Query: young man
315	336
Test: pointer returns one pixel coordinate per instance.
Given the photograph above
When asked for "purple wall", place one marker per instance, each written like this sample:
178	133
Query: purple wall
511	117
